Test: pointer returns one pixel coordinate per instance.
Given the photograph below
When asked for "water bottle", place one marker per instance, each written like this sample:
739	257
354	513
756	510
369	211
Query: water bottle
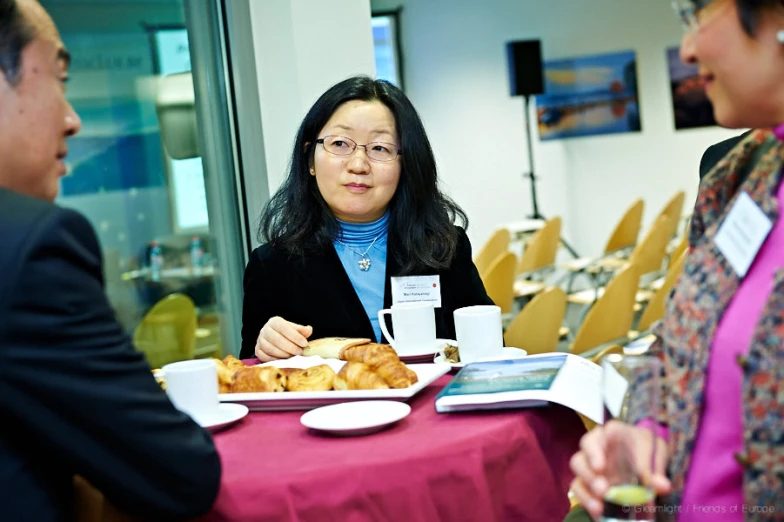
156	261
197	254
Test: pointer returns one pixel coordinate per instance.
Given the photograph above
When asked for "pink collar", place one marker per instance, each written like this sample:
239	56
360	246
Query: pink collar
779	132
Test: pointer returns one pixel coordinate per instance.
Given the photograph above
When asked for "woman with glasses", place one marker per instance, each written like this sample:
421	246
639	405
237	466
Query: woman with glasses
360	208
720	449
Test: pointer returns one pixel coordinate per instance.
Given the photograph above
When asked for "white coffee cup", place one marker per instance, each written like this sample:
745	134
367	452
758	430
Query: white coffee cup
479	332
192	386
415	328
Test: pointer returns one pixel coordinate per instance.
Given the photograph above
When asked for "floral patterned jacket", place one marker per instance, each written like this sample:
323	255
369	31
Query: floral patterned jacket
696	305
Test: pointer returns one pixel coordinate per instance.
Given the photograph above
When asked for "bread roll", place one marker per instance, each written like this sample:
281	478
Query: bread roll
317	378
258	379
330	347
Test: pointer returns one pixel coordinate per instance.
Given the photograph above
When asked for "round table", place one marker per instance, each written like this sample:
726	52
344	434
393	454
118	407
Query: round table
479	466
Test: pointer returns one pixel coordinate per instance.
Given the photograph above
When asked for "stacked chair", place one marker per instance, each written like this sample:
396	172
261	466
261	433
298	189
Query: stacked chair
497	245
655	309
647	256
621	242
167	333
536	329
538	259
610	317
499	280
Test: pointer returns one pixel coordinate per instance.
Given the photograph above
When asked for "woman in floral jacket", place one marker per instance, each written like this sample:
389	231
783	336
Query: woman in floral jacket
722	339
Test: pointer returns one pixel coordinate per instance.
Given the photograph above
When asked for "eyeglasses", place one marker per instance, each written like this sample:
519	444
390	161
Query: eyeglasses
343	146
692	13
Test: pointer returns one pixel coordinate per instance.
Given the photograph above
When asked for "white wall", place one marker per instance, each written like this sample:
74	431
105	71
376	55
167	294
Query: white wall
302	48
456	75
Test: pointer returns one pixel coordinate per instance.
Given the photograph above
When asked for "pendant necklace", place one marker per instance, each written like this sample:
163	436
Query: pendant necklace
364	260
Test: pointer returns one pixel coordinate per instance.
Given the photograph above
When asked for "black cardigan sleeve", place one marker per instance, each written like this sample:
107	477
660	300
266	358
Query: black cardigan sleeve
256	310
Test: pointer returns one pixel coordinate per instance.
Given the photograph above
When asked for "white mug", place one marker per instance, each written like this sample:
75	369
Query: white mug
479	332
415	328
192	386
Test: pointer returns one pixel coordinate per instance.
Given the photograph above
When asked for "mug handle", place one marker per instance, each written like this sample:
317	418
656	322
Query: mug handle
383	324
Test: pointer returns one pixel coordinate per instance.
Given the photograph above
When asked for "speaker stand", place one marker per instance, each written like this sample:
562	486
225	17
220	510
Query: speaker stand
532	177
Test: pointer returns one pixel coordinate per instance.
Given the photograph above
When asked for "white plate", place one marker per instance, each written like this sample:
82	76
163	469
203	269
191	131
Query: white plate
427	355
282	401
507	352
355	418
227	414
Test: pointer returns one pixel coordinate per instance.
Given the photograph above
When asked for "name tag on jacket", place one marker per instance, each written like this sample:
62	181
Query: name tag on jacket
742	233
415	289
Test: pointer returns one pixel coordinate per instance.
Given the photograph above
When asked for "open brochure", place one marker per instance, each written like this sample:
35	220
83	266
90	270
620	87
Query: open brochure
536	380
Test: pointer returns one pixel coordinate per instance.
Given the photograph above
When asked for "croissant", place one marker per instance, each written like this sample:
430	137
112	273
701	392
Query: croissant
359	376
232	362
258	379
225	376
396	374
317	378
372	354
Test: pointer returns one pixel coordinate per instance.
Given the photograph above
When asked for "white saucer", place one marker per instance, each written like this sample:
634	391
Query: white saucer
507	352
228	413
427	355
355	418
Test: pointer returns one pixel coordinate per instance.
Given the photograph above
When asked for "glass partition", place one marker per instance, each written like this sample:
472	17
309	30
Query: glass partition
171	240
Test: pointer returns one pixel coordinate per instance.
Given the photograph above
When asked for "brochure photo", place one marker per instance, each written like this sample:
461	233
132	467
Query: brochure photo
535	380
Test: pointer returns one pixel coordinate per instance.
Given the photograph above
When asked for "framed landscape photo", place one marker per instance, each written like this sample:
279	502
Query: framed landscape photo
589	95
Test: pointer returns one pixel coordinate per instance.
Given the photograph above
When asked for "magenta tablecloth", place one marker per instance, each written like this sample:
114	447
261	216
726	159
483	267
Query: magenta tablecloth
483	466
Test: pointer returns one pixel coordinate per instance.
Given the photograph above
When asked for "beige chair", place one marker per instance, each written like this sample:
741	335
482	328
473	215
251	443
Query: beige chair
536	329
627	231
539	255
610	317
656	306
612	349
499	281
497	244
673	210
681	246
541	250
623	237
647	256
167	332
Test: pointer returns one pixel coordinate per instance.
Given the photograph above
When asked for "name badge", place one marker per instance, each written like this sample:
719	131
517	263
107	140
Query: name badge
414	289
742	233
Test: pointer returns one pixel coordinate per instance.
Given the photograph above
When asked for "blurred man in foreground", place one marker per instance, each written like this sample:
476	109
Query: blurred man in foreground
75	397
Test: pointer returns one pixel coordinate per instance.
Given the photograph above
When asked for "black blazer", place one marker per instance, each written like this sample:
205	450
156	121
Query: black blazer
316	291
715	153
75	397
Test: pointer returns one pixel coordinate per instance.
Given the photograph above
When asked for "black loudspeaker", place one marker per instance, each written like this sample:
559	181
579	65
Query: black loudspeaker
525	67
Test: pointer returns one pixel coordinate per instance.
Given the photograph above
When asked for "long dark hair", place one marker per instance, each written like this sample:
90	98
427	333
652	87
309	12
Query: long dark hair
421	218
15	34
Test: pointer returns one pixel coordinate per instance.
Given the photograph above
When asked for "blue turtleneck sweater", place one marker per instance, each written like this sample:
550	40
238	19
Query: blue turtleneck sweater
353	241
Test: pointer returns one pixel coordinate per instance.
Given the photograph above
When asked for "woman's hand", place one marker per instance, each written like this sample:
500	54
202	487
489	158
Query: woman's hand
281	339
603	450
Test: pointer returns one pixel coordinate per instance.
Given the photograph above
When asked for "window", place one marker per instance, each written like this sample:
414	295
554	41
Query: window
145	195
386	46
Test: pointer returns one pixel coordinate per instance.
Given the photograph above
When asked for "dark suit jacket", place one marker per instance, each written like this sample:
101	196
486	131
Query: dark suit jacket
317	291
716	152
75	397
